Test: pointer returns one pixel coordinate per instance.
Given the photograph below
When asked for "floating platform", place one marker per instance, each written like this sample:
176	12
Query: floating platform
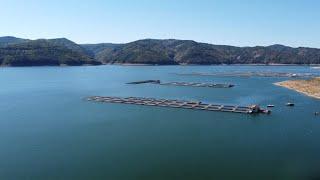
146	81
251	74
191	84
196	105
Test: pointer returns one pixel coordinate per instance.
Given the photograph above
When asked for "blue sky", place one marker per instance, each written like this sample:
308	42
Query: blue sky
231	22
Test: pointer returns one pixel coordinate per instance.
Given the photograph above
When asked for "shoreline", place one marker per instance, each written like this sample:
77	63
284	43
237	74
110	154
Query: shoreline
182	64
309	87
313	66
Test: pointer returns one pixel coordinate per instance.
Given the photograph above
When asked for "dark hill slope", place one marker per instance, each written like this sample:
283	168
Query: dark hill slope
9	40
42	52
23	52
99	51
70	45
143	51
150	51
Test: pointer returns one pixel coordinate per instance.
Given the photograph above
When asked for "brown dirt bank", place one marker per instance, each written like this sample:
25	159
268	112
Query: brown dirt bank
309	87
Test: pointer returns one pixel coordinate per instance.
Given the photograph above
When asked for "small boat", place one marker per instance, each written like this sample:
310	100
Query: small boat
290	104
270	105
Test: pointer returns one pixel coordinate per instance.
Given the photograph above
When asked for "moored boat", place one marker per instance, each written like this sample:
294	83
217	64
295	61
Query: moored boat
290	104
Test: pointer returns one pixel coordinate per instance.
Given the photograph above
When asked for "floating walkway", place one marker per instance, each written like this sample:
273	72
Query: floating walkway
251	74
146	81
192	84
254	109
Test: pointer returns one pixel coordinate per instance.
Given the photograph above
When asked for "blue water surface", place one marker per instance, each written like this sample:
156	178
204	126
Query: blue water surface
49	131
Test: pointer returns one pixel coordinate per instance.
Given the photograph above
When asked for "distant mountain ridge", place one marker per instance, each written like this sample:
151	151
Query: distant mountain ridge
99	51
8	40
171	51
43	52
61	51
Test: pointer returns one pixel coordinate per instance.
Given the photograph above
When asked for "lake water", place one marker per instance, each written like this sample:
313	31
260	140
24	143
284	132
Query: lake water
48	130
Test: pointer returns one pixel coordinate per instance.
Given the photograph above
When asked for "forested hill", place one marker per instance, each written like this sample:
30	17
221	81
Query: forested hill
7	40
61	51
43	52
151	51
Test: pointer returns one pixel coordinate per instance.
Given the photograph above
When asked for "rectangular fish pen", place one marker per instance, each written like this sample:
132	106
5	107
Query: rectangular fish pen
195	105
191	84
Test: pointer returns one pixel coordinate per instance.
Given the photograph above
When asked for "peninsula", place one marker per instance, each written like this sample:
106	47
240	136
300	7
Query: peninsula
309	87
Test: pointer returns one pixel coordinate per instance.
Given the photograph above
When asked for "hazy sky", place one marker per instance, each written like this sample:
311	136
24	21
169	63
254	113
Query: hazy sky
232	22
